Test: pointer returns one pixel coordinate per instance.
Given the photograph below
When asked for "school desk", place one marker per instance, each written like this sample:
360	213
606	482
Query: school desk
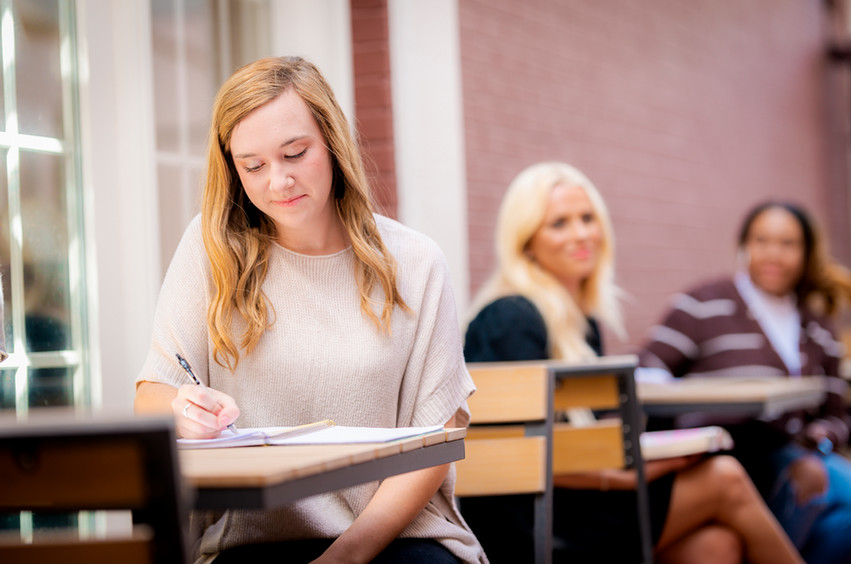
766	397
264	477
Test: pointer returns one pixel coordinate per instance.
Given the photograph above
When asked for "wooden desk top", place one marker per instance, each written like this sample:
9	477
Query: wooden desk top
269	476
751	397
561	368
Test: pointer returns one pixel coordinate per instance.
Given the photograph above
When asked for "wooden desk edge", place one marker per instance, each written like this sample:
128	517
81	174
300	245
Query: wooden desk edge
276	494
356	453
613	363
745	390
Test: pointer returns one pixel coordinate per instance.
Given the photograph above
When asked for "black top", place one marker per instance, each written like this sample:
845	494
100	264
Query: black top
512	328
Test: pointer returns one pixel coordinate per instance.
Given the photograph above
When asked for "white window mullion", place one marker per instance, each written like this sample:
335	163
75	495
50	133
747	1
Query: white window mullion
13	186
48	359
16	274
81	391
30	142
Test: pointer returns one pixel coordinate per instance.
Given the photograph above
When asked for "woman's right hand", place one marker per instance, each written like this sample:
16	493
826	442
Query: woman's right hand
202	413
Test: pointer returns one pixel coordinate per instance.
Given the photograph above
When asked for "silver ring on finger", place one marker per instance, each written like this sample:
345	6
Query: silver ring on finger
185	407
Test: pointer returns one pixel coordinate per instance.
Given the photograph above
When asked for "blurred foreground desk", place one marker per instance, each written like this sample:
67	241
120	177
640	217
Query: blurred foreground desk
766	397
264	477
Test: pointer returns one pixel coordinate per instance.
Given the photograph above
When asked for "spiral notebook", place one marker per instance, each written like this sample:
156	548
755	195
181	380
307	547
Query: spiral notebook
319	433
656	445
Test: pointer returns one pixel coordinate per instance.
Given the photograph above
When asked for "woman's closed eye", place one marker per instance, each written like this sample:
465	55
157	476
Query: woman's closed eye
257	167
296	156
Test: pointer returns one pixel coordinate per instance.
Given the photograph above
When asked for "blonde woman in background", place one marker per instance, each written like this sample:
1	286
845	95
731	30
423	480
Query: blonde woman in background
554	282
295	302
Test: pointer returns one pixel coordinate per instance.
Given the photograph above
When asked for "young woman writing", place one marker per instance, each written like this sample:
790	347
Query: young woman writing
295	302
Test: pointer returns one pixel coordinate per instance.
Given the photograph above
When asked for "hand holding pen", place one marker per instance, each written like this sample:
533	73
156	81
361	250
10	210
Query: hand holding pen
204	412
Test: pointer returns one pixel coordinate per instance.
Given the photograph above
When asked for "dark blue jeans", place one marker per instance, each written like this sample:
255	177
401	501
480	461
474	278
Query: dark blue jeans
400	551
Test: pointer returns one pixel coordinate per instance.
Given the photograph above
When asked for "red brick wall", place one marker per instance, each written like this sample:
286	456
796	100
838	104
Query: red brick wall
684	114
373	102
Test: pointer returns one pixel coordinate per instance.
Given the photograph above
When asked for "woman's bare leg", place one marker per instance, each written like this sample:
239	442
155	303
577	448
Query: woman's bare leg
712	544
719	491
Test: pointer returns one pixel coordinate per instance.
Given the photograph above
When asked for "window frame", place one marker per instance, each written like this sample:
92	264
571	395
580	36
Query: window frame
12	143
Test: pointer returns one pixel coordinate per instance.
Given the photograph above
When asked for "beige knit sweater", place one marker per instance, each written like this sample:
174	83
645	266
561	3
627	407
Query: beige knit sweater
323	359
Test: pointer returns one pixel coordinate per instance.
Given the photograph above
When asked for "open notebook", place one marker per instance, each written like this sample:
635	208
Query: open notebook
656	445
321	433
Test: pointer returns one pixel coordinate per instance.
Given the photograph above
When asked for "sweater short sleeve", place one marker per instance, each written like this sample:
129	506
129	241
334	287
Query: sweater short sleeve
436	383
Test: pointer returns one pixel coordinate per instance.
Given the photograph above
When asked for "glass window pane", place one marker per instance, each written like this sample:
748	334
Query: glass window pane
7	388
46	524
10	521
39	74
45	252
51	387
43	523
166	93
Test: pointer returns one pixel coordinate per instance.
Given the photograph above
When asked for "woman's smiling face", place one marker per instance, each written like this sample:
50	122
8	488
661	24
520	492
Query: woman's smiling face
285	167
567	244
775	249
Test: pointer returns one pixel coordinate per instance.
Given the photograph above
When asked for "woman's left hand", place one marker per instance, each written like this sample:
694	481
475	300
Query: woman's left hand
808	477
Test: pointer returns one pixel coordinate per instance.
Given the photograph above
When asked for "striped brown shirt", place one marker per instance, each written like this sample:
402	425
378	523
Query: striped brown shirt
710	331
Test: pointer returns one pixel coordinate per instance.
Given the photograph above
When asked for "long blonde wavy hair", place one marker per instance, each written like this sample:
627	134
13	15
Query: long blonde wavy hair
520	216
237	236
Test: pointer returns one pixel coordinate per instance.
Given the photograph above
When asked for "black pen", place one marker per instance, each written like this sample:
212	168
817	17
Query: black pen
195	379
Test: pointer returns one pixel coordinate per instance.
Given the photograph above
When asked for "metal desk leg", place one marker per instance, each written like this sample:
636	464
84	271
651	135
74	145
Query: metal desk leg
632	418
543	510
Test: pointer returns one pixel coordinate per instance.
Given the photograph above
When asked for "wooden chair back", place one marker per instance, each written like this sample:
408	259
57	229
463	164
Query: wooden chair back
508	448
597	445
58	463
506	444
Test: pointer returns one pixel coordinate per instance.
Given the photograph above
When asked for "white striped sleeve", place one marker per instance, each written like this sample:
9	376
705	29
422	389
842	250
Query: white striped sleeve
675	339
